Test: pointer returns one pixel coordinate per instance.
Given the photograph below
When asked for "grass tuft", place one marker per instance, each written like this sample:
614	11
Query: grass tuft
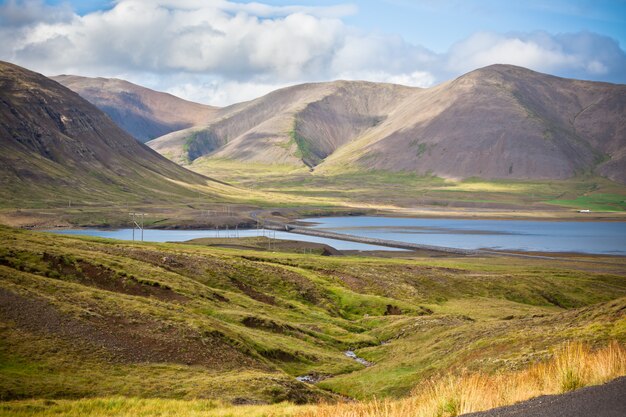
574	366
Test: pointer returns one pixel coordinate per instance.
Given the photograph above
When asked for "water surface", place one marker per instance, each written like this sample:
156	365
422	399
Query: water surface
541	236
156	235
538	236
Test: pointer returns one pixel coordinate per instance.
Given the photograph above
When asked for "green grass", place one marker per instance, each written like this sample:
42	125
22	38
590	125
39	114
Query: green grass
384	189
99	315
279	186
596	202
304	150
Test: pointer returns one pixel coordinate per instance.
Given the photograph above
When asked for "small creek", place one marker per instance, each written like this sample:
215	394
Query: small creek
353	355
314	378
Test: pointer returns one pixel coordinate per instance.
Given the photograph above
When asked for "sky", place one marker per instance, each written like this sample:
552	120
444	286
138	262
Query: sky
225	51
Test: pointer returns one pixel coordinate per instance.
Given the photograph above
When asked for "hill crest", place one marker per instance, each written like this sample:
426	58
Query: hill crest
143	113
55	145
496	122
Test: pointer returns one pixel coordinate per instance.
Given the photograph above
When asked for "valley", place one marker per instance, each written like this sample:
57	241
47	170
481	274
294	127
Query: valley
256	326
342	145
275	316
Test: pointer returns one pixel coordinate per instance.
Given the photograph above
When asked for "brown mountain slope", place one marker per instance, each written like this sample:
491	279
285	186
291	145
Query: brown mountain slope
500	122
55	145
142	112
497	122
298	125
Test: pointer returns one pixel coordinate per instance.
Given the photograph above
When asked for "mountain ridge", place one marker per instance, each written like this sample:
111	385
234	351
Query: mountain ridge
498	113
142	112
497	122
52	139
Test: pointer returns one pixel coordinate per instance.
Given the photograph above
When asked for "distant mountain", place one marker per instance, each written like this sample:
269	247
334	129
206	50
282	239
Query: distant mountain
296	125
501	122
497	122
55	145
144	113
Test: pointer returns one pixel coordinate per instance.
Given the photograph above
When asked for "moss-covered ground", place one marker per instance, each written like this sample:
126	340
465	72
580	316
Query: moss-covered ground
384	190
87	317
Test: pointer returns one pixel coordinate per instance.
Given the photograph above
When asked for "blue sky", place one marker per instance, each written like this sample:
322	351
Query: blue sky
221	51
438	24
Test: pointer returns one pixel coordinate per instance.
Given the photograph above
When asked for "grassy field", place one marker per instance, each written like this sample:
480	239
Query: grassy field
94	318
296	192
383	190
573	365
262	243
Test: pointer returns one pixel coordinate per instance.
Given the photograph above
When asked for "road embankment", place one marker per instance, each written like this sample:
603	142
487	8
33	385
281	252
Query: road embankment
369	240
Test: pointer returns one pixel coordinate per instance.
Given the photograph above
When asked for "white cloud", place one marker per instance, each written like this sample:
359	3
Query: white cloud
359	52
219	92
23	12
581	55
196	36
415	79
220	51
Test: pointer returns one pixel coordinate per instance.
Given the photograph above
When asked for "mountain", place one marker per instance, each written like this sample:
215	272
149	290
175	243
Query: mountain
500	121
295	125
144	113
55	145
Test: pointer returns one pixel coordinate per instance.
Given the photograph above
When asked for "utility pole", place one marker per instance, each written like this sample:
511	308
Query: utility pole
135	217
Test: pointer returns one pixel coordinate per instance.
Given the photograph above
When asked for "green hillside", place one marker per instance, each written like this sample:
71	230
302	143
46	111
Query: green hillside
402	190
57	149
84	317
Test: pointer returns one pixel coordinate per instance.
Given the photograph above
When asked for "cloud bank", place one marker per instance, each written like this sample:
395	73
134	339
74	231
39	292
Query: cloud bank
219	52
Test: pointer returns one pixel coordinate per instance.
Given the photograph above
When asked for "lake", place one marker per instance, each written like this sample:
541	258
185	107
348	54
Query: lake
156	235
541	236
607	238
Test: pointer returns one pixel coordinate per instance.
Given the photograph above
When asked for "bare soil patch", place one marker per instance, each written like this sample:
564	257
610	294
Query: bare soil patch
122	338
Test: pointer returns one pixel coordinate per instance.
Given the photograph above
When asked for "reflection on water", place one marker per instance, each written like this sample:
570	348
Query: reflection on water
541	236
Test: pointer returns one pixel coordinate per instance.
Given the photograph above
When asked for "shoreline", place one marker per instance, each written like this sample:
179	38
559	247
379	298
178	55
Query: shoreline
196	217
609	216
408	247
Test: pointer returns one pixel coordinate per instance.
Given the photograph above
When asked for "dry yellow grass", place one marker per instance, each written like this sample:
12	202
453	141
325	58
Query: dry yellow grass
573	366
141	407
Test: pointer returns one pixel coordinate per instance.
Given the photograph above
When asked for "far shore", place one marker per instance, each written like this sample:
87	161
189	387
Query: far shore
193	218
